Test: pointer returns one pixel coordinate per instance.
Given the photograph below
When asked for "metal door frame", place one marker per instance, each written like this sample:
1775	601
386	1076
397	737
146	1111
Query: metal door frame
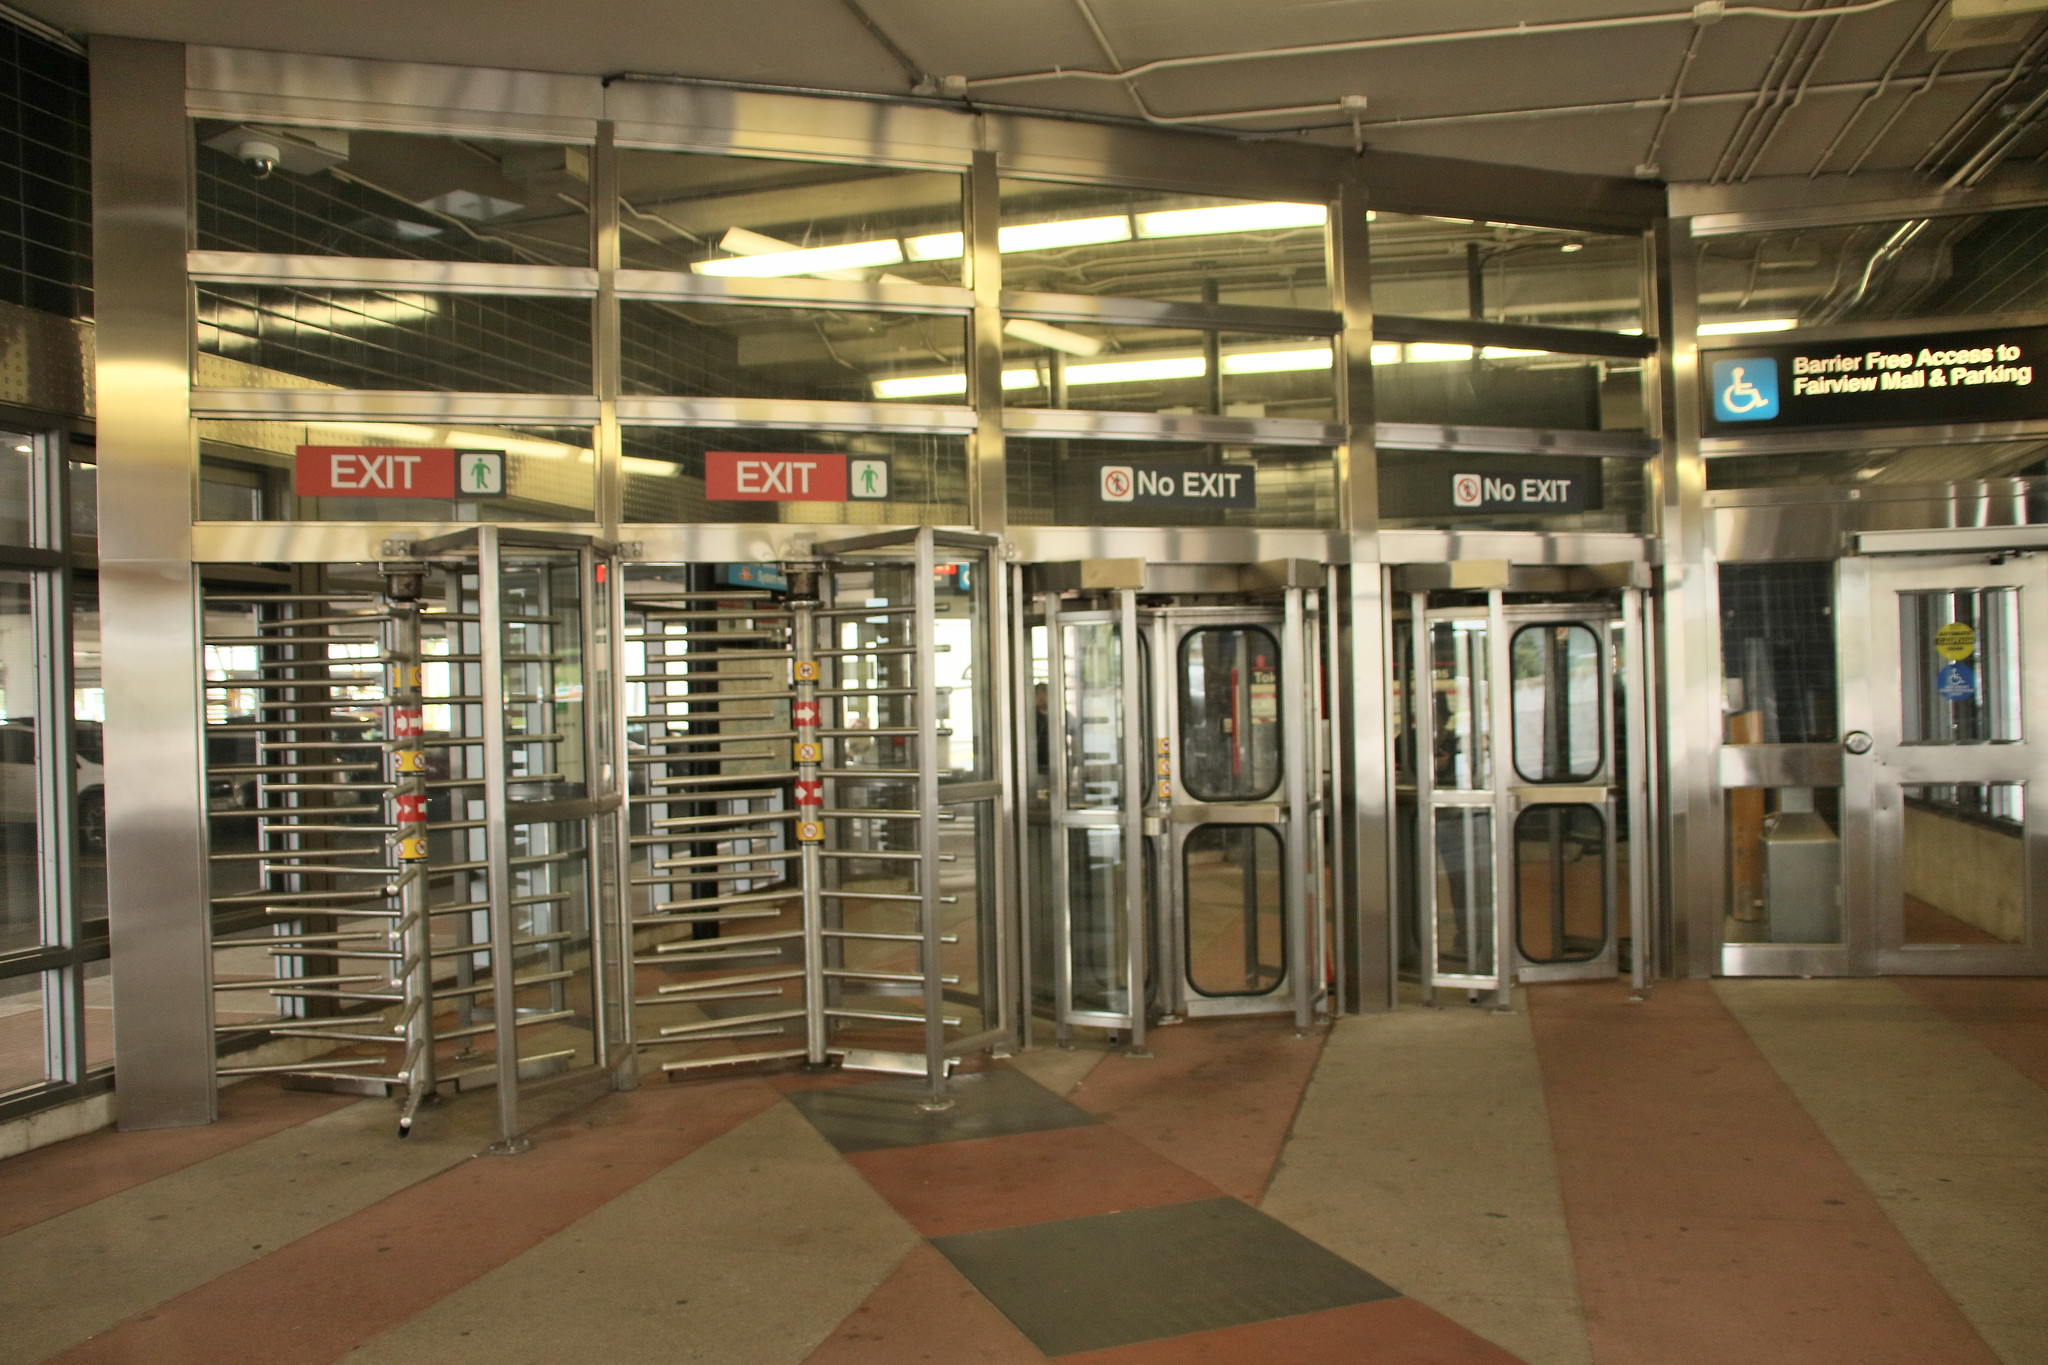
1873	813
1507	794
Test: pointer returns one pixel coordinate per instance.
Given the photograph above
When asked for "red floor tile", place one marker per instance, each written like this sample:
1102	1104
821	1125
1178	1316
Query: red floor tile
379	1267
1711	1219
2008	1014
67	1175
1218	1096
925	1311
1390	1332
1004	1182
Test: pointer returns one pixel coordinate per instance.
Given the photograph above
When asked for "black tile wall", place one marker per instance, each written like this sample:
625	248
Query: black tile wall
45	176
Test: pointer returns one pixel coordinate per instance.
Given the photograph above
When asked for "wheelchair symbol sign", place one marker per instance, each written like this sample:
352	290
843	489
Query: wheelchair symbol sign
1746	390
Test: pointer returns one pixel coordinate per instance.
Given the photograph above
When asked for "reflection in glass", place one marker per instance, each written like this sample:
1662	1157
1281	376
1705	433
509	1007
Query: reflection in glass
89	714
968	918
1778	669
724	351
1784	865
1959	666
1556	670
1098	941
1094	239
21	923
1236	934
541	600
1229	713
1095	716
1561	911
1148	369
1506	272
1963	866
337	192
17	506
1464	890
1458	664
22	1053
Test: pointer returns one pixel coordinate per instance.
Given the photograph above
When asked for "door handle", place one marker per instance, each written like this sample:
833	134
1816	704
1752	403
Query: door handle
1858	742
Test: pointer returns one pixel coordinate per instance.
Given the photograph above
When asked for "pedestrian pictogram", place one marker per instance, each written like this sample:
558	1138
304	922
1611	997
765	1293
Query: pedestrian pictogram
479	473
867	479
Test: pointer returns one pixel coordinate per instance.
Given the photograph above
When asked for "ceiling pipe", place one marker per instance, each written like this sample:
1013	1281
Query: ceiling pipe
1810	62
1898	112
1704	12
1971	117
1647	168
1906	49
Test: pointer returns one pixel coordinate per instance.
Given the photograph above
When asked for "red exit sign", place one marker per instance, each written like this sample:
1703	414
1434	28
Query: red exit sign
398	472
751	476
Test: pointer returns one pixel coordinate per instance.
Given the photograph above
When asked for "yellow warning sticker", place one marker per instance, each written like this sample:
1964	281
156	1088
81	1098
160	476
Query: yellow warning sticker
1165	766
1165	746
410	760
1955	642
809	753
807	671
413	850
1166	791
810	831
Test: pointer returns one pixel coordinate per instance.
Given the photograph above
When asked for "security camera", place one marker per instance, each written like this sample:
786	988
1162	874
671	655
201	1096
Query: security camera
262	156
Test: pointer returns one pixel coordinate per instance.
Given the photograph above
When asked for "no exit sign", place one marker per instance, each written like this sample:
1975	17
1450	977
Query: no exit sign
751	476
398	472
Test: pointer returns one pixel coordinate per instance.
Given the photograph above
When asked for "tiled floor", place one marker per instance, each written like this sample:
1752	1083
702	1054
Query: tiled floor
1736	1171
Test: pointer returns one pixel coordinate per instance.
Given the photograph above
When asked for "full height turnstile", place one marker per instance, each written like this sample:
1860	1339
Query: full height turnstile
413	793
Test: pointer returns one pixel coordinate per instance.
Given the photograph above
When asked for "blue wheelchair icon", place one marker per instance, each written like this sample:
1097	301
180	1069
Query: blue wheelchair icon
1746	390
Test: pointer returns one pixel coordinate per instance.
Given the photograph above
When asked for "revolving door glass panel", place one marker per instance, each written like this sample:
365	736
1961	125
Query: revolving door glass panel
1230	713
1095	790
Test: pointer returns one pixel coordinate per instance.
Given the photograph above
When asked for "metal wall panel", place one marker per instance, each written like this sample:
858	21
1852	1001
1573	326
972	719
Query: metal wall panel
150	642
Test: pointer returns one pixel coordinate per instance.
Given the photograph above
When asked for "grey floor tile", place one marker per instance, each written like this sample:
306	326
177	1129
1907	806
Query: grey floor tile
1087	1284
864	1118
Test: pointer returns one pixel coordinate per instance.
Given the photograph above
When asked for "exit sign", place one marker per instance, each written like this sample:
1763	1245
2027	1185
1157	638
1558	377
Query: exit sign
398	472
754	476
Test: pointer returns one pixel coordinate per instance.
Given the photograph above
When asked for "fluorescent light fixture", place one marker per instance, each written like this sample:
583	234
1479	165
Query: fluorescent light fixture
922	385
1276	362
1230	218
814	261
1070	232
1057	338
1437	350
1137	371
939	246
1738	325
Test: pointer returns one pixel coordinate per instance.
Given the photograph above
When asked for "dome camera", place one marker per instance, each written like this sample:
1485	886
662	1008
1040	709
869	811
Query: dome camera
262	156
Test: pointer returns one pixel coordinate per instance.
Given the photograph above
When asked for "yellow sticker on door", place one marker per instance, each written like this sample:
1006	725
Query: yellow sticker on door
1955	641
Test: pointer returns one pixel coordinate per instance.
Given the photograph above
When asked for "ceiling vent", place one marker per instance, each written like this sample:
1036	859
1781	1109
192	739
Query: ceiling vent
1984	23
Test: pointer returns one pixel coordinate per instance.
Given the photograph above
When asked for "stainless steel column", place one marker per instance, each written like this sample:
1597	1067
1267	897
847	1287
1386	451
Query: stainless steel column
1363	785
1137	774
804	666
925	597
1294	665
497	836
150	630
1500	750
988	490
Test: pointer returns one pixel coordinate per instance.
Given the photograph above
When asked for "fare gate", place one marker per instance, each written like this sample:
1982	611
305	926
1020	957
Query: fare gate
413	816
1177	793
814	833
1520	756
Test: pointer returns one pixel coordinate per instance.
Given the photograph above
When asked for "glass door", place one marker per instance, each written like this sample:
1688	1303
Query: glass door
1942	754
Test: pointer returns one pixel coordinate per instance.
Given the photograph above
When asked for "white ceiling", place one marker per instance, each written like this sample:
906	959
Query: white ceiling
1503	99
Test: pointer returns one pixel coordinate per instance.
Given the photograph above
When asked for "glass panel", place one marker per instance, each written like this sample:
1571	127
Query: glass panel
17	503
89	715
1093	239
664	474
968	837
24	1055
1439	382
267	337
21	918
1095	715
336	192
1147	369
1974	265
811	353
245	471
1778	653
542	603
551	932
730	215
1502	272
1963	864
1401	701
1784	865
1959	666
99	1015
1561	883
1556	670
1229	713
1059	483
960	630
1097	922
1458	660
85	499
1464	890
1236	935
